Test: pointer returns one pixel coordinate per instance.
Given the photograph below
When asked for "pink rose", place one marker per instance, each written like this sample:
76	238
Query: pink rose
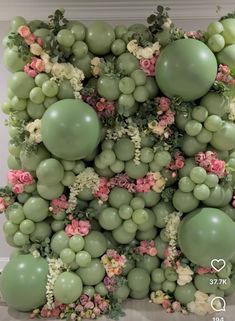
166	304
224	68
18	188
97	311
2	205
55	312
179	163
40	66
152	251
29	71
217	167
24	31
103	305
89	305
84	299
12	177
84	227
176	306
30	39
26	178
164	103
45	313
39	41
145	63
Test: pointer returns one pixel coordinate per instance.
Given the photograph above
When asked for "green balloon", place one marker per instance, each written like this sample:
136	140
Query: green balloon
226	56
99	37
23	282
31	159
139	295
27	226
20	239
76	243
146	235
68	287
138	280
186	68
134	170
83	259
206	234
50	171
41	232
92	274
15	213
121	236
59	241
95	244
148	263
10	228
109	218
16	22
36	209
119	196
224	138
122	292
127	63
184	202
124	149
107	87
70	129
12	60
161	211
57	226
21	84
215	104
203	283
185	293
67	255
50	192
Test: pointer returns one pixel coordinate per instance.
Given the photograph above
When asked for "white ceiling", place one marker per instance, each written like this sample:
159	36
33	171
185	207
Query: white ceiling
113	10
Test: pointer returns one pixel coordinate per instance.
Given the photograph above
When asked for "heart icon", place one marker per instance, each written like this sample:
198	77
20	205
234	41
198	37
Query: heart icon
218	264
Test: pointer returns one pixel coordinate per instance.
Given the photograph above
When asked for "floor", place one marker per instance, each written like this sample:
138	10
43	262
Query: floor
138	311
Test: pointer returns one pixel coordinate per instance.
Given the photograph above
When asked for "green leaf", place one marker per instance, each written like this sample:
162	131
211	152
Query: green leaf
151	19
160	9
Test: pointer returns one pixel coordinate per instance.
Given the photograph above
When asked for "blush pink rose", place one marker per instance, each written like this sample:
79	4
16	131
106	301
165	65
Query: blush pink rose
39	41
176	306
26	178
145	63
152	251
166	304
217	167
18	188
2	205
164	103
24	31
30	39
29	71
12	177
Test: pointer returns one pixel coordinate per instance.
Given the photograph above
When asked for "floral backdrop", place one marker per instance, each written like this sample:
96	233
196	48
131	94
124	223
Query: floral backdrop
121	166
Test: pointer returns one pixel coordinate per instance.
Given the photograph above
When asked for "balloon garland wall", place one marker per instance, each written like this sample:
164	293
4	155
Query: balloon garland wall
121	166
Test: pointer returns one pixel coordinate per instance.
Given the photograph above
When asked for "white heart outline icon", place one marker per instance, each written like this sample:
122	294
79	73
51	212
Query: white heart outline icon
218	261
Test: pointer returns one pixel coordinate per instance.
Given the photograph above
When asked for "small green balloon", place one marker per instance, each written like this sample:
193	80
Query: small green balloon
186	68
224	138
124	149
92	274
109	218
108	88
185	293
67	255
36	209
203	283
83	258
70	129
12	61
99	37
50	192
10	228
119	196
41	232
31	159
76	243
21	84
27	226
206	234
148	263
59	241
184	202
134	170
67	288
95	244
122	292
121	236
50	171
138	279
23	282
101	289
127	63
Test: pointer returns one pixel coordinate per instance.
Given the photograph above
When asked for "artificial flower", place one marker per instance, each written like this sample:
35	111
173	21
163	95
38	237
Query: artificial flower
184	275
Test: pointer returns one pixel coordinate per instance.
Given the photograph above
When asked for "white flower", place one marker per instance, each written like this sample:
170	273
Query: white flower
202	304
36	49
146	53
132	46
167	24
156	46
184	275
34	129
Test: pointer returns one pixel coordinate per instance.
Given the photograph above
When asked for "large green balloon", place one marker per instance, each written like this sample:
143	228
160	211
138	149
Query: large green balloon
99	37
23	282
59	241
68	287
50	171
95	244
138	279
207	234
186	68
21	84
93	273
70	129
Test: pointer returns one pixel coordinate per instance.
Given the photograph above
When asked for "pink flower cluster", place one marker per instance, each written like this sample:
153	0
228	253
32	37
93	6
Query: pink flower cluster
78	228
28	36
147	247
164	103
176	164
5	201
104	106
35	67
148	65
204	270
110	283
210	162
167	262
58	205
224	75
113	263
91	308
19	179
194	34
172	307
144	184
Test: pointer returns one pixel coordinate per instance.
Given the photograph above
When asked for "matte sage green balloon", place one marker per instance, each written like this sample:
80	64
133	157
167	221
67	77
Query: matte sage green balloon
50	192
215	103
161	246
92	274
121	236
141	30
16	22
139	295
21	84
138	279
127	63
13	162
109	218
67	288
99	37
83	259
124	149
184	202
207	234
36	209
191	146
227	56
186	68
134	170
59	241
23	282
84	64
224	138
50	171
10	228
148	263
41	232
107	87
119	196
161	211
151	198
122	292
203	283
148	235
185	293
95	244
12	60
70	129
31	159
